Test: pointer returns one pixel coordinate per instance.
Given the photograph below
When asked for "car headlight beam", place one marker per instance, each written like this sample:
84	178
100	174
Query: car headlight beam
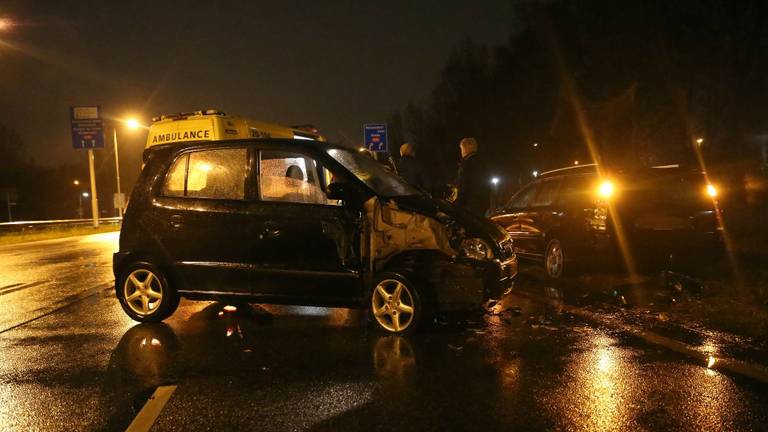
711	191
606	189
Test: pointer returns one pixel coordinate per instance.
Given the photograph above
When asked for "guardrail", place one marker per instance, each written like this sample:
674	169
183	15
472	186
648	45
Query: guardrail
32	226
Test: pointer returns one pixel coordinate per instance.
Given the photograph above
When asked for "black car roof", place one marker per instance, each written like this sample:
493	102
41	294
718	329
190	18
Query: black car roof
571	170
298	143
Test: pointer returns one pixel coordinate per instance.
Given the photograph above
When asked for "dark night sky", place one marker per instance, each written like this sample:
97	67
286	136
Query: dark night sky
336	64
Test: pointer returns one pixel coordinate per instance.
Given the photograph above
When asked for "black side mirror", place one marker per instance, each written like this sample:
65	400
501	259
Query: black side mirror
338	191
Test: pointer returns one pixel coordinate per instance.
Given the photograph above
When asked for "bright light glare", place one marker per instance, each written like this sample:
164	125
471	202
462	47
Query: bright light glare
230	308
86	194
5	24
535	173
575	162
132	123
711	190
700	141
76	182
495	180
711	362
606	189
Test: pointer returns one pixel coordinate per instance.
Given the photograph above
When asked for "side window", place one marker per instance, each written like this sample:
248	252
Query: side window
292	177
576	189
174	181
547	194
521	199
216	174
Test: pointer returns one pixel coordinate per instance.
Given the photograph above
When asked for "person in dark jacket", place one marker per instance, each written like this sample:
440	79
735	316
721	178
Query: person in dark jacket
473	186
410	168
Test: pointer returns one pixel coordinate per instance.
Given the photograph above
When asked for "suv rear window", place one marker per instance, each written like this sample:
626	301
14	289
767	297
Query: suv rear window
213	174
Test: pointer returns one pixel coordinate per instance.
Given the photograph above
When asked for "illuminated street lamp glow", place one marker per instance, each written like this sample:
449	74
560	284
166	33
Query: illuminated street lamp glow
495	180
535	144
76	182
86	194
535	173
132	123
575	162
700	141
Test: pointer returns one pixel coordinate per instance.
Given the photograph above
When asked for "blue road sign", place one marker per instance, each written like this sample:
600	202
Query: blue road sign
87	127
375	137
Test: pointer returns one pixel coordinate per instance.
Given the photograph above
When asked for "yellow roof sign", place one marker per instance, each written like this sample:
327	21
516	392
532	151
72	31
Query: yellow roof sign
213	125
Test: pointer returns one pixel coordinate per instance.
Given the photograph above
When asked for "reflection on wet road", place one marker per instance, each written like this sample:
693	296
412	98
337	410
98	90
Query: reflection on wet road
526	366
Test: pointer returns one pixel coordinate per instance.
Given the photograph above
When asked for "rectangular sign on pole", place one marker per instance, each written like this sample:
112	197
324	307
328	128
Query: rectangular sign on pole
375	137
87	127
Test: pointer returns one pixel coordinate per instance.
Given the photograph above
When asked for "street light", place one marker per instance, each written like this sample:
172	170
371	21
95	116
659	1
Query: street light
133	124
575	162
535	173
494	195
80	197
700	141
76	182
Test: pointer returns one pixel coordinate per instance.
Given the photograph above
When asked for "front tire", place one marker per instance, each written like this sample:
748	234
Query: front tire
145	294
554	259
395	304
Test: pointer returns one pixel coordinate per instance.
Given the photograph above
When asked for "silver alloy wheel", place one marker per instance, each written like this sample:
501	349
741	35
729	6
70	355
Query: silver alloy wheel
392	304
143	292
555	259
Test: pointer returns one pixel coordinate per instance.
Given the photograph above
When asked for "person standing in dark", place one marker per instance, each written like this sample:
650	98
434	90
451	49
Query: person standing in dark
473	188
410	168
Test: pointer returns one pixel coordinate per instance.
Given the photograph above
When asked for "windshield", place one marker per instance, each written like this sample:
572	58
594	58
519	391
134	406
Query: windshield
373	174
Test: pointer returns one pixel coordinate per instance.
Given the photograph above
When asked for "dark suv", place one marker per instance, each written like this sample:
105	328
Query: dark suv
300	222
577	214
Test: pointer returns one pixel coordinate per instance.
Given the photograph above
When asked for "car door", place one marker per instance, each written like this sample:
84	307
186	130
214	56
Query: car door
538	218
204	219
308	247
509	219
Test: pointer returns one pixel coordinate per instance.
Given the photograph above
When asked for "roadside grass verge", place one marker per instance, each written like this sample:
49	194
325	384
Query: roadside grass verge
55	233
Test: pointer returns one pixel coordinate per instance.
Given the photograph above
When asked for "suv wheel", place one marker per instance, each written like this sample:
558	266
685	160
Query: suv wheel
395	304
145	294
554	259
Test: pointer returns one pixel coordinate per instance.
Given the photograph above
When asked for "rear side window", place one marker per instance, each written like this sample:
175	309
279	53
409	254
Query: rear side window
577	189
547	194
293	177
214	174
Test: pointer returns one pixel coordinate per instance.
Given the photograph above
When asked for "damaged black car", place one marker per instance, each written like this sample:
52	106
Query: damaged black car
301	222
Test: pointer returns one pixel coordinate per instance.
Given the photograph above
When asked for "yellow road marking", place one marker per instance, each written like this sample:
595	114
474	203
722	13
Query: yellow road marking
151	410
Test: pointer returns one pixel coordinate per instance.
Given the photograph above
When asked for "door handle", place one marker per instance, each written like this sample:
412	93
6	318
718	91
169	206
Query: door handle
271	229
177	221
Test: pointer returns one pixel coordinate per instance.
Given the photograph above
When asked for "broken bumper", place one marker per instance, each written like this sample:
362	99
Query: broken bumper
468	283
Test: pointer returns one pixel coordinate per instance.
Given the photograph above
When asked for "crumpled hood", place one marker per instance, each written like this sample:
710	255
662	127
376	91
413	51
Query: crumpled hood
473	225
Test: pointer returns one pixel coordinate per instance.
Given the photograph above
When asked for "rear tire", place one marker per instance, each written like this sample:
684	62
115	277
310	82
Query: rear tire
145	294
395	304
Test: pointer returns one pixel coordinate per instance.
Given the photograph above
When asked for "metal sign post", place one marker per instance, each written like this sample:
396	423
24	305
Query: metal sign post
375	137
118	204
88	133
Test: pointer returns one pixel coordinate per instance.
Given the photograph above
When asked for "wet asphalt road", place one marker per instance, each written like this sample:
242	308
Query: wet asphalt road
71	360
